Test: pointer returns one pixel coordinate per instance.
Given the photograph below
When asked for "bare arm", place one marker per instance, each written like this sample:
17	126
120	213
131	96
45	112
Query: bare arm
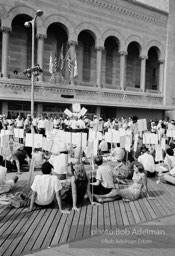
97	183
33	197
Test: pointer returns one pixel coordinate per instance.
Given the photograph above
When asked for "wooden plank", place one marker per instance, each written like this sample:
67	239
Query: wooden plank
30	228
100	217
162	202
59	229
94	218
167	195
134	212
123	213
39	241
107	222
36	232
80	229
67	227
9	225
30	231
144	209
118	214
87	226
139	210
16	236
153	204
129	213
148	206
74	227
112	215
51	231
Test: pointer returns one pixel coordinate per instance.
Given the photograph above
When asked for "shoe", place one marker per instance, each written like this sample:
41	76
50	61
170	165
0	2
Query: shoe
19	173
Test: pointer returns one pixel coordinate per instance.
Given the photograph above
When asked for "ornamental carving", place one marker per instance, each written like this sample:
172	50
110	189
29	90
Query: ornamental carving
111	5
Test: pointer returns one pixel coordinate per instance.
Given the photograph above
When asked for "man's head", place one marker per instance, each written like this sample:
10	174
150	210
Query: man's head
144	149
47	168
98	160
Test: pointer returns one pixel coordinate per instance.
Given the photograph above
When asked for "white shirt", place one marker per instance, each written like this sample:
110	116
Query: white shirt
148	162
105	175
59	163
46	186
103	146
41	124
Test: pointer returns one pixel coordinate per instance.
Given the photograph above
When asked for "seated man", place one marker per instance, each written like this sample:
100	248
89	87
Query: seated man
103	146
59	161
38	155
121	169
45	187
147	161
103	183
6	185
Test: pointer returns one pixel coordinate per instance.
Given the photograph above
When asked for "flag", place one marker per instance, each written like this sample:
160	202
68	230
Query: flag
72	65
69	64
51	64
61	58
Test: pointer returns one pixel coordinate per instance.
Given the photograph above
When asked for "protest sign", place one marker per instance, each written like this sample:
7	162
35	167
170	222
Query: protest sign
18	133
34	140
159	155
68	112
76	107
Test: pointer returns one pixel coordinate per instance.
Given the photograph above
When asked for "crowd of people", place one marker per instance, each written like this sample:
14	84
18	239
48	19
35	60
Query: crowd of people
63	175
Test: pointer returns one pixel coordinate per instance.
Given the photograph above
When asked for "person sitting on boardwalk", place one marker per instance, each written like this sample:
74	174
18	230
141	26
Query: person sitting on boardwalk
148	162
45	187
131	193
6	185
103	183
20	156
59	160
75	188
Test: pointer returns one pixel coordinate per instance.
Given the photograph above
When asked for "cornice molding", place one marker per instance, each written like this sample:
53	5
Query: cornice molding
110	5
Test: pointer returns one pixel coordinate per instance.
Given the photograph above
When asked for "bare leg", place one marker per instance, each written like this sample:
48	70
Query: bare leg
113	195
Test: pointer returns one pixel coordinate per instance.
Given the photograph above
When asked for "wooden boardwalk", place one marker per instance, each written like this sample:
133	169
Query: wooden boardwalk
22	232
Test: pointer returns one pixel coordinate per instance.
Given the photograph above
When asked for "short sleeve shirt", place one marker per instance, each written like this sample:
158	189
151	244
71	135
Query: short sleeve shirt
105	175
46	187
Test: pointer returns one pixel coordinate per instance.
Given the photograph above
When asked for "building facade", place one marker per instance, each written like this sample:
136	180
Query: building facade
124	52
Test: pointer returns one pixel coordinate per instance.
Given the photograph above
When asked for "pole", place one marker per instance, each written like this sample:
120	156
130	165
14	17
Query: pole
32	74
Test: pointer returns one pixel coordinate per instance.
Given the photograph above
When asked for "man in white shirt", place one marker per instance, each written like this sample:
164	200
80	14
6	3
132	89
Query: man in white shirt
60	162
104	178
42	126
45	187
148	162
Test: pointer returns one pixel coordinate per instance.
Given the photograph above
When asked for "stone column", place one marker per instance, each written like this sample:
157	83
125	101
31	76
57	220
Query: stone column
143	73
161	75
122	69
5	51
40	53
99	63
72	52
39	109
